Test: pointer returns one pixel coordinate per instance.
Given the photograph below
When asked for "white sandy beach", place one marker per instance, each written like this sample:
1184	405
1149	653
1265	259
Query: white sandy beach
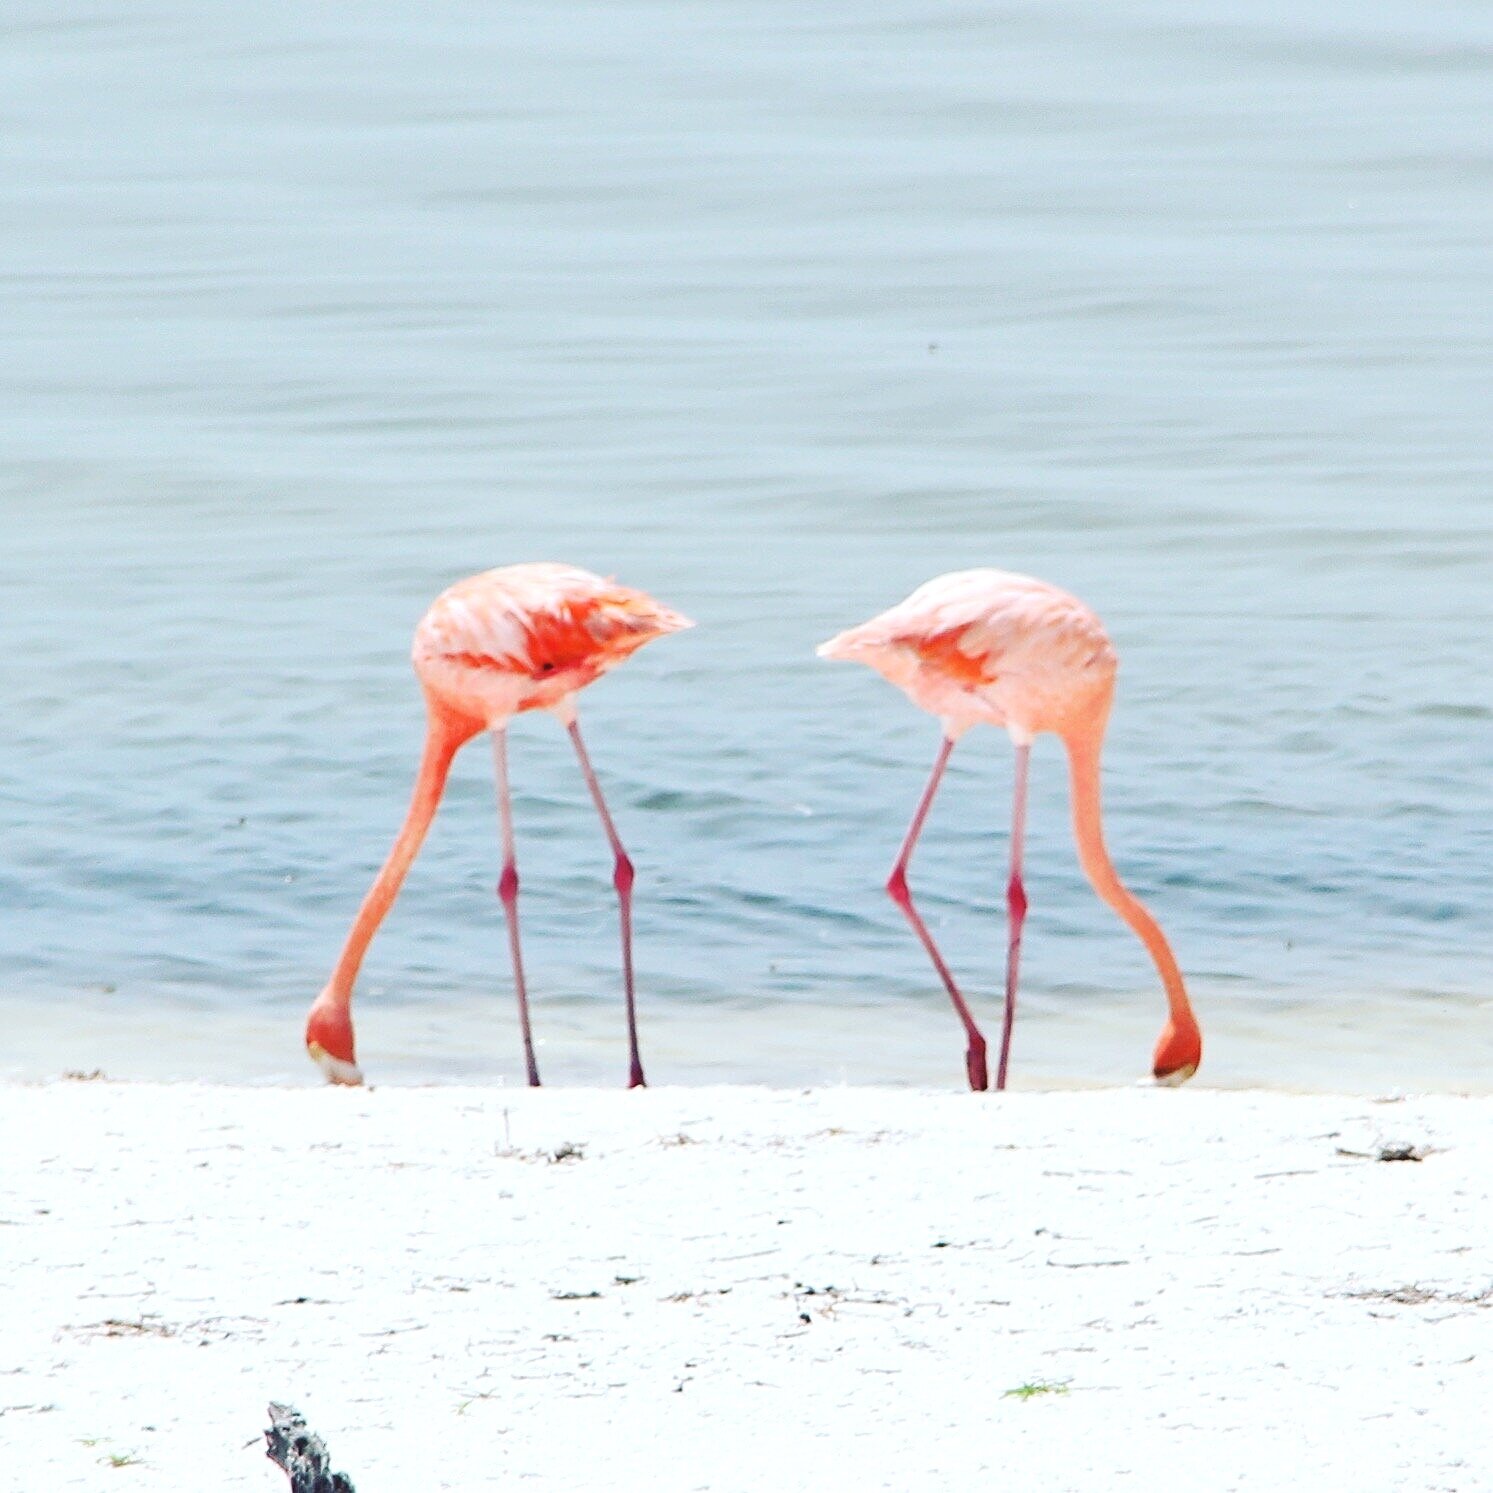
733	1289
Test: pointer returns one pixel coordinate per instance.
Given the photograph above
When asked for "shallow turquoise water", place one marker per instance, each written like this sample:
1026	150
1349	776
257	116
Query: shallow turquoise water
775	311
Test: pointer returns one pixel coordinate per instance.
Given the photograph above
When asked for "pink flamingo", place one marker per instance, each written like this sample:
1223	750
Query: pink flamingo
1008	650
526	637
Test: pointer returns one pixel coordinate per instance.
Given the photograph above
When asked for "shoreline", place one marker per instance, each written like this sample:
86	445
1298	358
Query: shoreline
732	1288
1367	1045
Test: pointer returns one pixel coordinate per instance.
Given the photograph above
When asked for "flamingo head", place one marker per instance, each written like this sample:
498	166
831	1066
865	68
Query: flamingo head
1178	1053
329	1040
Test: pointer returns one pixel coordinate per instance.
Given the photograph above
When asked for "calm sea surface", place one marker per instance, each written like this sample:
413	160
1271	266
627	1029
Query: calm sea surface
775	310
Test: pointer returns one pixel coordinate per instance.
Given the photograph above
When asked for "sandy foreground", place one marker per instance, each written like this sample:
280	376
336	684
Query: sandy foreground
728	1288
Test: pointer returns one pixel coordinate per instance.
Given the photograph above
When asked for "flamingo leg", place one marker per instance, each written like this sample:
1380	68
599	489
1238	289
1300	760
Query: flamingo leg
1015	906
897	890
508	896
622	879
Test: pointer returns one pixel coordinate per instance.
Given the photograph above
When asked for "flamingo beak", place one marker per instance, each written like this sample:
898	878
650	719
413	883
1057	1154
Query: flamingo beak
1177	1077
337	1070
329	1040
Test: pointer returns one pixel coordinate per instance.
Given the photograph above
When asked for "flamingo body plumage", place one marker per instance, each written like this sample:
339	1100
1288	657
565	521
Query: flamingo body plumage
515	639
987	647
997	648
528	637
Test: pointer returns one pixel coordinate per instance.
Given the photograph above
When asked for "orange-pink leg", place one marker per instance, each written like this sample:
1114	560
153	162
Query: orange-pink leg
1015	906
622	879
897	889
508	895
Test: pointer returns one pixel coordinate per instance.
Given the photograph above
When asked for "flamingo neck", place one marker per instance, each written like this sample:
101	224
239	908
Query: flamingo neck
446	733
1084	745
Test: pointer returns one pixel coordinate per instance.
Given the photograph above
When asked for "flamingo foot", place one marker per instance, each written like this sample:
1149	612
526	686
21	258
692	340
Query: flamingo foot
974	1065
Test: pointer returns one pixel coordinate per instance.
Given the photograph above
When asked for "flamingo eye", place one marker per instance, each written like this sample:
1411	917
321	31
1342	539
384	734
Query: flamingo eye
546	667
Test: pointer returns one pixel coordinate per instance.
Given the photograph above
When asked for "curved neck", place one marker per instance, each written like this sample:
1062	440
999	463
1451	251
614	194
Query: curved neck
1084	744
444	736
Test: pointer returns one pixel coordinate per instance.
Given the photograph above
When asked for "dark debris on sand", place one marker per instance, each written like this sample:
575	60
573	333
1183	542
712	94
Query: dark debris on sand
301	1453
